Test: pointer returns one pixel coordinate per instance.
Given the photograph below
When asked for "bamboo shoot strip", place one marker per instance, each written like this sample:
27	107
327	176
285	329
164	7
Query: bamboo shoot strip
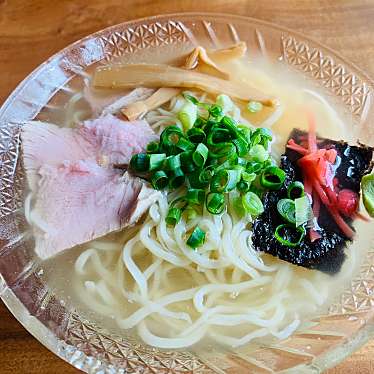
153	75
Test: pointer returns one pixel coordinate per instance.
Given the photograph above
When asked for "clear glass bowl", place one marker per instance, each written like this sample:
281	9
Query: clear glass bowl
87	345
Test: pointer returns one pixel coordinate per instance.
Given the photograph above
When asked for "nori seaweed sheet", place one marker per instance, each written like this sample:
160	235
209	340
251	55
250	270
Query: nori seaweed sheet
327	253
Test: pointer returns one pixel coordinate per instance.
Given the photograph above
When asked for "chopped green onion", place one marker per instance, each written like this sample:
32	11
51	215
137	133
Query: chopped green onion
254	106
159	180
156	161
215	202
367	185
169	138
217	136
195	196
196	135
243	162
185	145
140	162
254	167
191	98
213	152
197	238
273	177
230	124
187	164
295	190
173	217
199	123
225	180
188	115
258	153
194	180
237	204
172	162
200	155
246	132
152	147
261	136
243	186
290	235
225	103
248	177
303	210
252	204
286	208
206	175
215	111
223	150
246	181
241	146
177	178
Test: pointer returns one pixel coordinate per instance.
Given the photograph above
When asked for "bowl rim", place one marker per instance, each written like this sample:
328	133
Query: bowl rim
38	330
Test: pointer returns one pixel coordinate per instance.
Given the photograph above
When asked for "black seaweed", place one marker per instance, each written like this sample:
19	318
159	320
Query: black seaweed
327	253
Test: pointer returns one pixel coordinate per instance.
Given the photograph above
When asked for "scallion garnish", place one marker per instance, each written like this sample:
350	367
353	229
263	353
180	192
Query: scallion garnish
173	217
195	196
187	164
140	162
169	138
185	145
200	155
196	135
172	162
215	111
286	208
197	238
252	204
188	115
289	235
211	156
303	211
225	180
159	180
176	179
272	177
206	175
152	147
156	160
215	202
258	153
241	146
295	190
225	103
367	184
243	186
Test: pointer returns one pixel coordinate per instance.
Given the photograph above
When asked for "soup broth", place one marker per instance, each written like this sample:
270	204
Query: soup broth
97	278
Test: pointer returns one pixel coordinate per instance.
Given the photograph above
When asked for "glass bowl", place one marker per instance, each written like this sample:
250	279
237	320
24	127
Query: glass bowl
88	345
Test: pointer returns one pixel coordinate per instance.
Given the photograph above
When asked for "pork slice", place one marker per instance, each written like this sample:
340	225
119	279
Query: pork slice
108	140
77	199
80	201
110	101
48	144
115	140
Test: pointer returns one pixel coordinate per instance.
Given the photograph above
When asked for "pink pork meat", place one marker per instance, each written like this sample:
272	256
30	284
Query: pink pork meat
76	199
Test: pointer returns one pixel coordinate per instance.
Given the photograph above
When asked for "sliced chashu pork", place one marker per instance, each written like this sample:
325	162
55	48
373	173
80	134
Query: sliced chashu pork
114	140
76	198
